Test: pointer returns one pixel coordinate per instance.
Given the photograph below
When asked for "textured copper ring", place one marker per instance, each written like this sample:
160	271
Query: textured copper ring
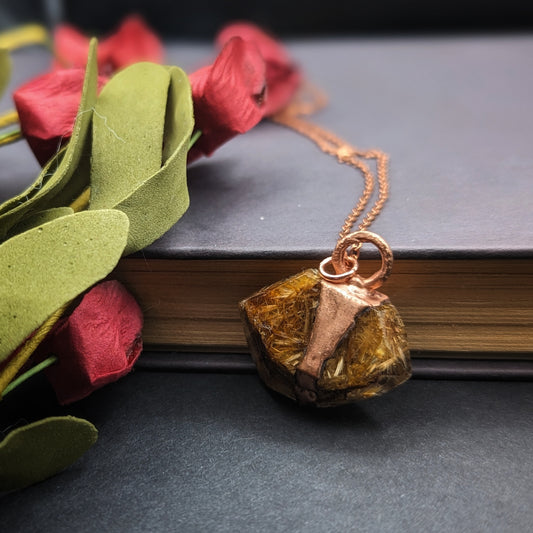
340	255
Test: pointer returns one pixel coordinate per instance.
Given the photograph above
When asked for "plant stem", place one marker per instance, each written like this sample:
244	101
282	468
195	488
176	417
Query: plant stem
10	137
194	137
26	35
31	372
9	118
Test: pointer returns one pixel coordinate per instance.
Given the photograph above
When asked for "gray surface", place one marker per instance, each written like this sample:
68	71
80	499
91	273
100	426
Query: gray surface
191	452
18	166
455	115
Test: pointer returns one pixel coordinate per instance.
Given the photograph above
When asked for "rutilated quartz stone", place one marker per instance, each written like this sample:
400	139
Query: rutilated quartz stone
370	359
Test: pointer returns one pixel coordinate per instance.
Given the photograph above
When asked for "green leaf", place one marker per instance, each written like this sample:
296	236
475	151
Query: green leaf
35	452
139	155
128	129
5	69
47	266
66	175
32	220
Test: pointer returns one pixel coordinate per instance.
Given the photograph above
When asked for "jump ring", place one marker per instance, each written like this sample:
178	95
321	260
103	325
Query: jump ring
335	278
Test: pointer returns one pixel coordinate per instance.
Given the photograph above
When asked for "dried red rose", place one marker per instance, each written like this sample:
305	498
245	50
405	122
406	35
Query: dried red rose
282	76
132	42
97	344
227	95
47	107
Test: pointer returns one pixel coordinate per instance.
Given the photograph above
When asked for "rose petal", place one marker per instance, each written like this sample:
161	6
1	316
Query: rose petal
270	48
282	76
227	95
282	82
131	43
47	107
97	344
70	46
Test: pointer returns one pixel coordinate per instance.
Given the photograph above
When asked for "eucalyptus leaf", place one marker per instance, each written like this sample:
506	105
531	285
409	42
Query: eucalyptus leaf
32	220
47	266
5	69
67	174
39	450
128	130
144	175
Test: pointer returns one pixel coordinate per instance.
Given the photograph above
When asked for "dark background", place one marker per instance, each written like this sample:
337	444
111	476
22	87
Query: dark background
201	19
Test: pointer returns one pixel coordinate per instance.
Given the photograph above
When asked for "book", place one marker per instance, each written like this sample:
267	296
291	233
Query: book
454	113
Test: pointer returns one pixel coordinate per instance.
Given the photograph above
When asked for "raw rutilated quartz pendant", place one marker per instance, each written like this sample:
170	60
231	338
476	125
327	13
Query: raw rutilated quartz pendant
328	339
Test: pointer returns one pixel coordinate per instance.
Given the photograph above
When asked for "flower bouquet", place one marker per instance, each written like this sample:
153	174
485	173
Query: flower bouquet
114	131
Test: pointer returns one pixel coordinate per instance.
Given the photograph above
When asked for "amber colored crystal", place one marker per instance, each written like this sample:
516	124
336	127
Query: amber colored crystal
370	359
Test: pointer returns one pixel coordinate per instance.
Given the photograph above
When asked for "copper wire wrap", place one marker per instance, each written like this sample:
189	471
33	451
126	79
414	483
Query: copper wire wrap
309	100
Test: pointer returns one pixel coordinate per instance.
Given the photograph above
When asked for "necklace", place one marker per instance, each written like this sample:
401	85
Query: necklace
326	336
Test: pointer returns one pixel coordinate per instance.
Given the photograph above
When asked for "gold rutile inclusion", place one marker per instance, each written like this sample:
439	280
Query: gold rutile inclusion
370	359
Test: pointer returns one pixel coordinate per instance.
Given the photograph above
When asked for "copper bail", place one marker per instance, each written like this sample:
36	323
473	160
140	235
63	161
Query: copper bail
343	296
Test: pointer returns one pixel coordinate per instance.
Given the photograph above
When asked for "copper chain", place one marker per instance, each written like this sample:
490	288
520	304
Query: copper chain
309	101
